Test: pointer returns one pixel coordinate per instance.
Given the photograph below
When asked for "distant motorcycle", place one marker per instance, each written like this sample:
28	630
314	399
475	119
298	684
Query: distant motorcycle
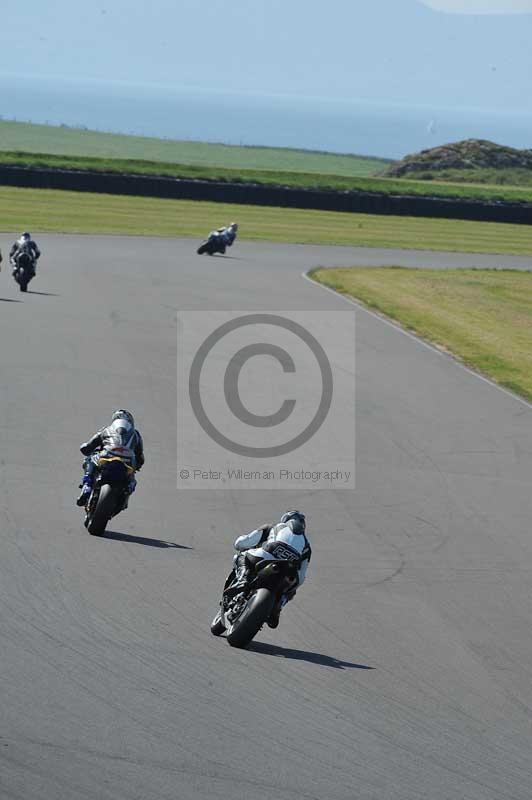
23	268
218	240
110	492
244	610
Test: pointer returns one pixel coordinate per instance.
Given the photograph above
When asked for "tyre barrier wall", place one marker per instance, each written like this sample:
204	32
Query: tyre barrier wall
260	195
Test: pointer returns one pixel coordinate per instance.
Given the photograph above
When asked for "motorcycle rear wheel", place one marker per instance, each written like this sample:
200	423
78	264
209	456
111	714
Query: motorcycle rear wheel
252	618
103	512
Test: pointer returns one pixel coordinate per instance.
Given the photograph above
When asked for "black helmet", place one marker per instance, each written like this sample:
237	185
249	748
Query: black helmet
297	519
26	236
121	413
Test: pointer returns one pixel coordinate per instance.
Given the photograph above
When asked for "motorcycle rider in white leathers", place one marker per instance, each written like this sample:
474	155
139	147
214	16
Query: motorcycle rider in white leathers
283	540
228	234
27	242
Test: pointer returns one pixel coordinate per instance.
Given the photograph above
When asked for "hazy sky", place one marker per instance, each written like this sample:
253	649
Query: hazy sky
480	6
443	53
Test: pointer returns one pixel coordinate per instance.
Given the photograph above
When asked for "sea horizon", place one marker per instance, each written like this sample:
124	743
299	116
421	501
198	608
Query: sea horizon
361	127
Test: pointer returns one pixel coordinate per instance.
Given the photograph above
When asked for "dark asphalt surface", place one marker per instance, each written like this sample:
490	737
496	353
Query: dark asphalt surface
403	671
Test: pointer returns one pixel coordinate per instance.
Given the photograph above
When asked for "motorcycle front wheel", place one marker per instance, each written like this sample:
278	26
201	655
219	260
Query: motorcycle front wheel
217	626
22	281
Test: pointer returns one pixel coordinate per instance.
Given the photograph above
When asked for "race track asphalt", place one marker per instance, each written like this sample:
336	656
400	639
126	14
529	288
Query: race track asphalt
403	670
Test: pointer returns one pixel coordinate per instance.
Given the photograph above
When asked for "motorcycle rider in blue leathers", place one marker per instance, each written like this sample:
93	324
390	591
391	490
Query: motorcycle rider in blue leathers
121	438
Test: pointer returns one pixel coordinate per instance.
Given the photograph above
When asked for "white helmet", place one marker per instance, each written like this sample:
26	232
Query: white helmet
297	518
121	413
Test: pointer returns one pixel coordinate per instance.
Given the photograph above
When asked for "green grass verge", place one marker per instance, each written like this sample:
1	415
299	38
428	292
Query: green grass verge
45	145
308	180
64	141
510	176
80	212
482	316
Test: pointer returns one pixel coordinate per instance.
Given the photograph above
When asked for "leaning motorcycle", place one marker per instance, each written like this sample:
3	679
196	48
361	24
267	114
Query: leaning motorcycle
24	269
245	609
214	244
217	241
110	492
